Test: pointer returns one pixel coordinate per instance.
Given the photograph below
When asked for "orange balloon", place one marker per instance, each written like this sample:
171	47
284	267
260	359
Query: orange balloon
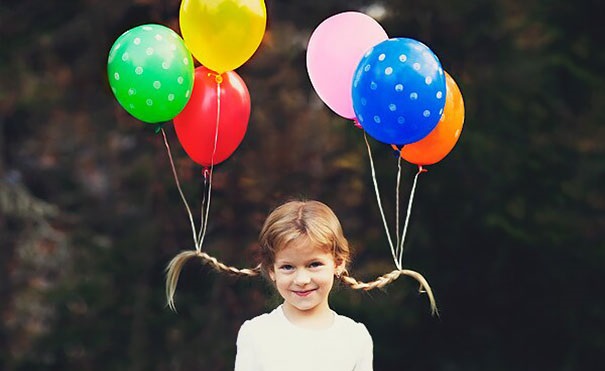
439	142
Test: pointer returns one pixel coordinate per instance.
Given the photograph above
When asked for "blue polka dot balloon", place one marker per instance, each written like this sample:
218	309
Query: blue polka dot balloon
399	91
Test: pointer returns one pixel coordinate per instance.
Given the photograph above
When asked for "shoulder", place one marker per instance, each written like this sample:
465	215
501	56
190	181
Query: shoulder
258	325
353	329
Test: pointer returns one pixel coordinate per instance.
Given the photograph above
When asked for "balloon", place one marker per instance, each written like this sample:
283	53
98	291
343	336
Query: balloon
204	141
222	34
435	146
399	91
334	49
150	72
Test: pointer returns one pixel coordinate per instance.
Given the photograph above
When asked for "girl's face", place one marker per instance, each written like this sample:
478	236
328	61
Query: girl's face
304	276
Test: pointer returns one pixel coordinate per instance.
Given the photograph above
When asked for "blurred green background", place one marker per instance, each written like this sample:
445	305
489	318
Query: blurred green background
509	229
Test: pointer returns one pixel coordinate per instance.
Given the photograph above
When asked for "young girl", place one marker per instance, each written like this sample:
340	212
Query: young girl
302	250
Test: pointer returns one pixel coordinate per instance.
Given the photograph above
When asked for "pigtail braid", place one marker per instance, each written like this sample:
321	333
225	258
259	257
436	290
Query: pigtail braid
173	270
385	279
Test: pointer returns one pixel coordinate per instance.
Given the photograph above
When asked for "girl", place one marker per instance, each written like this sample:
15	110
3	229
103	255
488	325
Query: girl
302	250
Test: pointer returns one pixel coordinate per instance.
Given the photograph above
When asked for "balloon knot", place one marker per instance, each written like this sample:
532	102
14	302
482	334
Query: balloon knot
421	169
158	128
357	124
206	172
218	78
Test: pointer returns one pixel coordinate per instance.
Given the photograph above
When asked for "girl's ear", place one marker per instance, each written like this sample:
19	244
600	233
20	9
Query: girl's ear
272	274
339	266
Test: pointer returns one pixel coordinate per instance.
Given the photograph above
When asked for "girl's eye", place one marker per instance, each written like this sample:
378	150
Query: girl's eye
316	264
286	267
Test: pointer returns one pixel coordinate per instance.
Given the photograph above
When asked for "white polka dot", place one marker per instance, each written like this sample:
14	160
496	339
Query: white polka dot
185	61
418	47
373	85
381	57
116	76
180	80
367	67
115	91
401	120
364	101
399	87
125	56
187	93
131	105
369	52
149	51
132	91
441	71
147	28
416	66
428	80
170	97
426	113
149	102
157	84
136	41
377	119
138	70
403	58
413	96
117	46
426	55
393	107
457	134
388	71
158	37
441	111
439	94
172	47
165	65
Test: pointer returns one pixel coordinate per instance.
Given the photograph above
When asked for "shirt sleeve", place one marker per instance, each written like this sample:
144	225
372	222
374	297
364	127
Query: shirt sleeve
245	359
366	355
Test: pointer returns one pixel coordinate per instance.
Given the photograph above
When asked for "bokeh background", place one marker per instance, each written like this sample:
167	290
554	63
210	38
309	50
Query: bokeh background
509	229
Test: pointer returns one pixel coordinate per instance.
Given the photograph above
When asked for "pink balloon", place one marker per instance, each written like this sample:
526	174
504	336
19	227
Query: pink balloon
334	50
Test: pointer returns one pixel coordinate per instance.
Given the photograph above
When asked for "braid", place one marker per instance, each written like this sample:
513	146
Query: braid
173	270
385	279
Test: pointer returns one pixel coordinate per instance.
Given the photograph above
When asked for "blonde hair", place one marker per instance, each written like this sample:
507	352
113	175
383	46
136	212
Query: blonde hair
286	224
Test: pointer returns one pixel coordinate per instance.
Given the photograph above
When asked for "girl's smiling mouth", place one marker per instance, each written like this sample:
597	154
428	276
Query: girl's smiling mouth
304	293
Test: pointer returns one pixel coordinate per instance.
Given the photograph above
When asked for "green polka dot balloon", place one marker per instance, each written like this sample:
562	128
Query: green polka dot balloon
151	72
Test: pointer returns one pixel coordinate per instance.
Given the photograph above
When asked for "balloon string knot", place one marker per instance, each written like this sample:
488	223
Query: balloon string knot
357	124
217	77
206	172
421	169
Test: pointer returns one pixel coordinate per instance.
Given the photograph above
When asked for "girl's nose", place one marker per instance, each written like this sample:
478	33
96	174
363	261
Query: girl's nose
302	277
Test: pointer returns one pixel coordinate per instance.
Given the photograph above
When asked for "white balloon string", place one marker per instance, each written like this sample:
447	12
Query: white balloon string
409	211
219	79
384	221
178	185
397	202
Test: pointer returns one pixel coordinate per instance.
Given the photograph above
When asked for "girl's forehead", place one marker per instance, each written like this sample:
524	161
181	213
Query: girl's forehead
302	251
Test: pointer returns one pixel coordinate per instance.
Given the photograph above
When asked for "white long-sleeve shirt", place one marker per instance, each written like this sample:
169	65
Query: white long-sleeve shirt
270	342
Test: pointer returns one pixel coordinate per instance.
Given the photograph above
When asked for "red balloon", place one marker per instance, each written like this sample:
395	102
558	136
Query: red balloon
196	125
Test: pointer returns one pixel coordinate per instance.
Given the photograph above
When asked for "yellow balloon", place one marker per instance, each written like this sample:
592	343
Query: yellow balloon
222	34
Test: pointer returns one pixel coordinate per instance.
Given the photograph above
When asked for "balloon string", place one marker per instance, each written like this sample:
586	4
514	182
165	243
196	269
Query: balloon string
219	80
384	221
178	185
409	211
397	202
